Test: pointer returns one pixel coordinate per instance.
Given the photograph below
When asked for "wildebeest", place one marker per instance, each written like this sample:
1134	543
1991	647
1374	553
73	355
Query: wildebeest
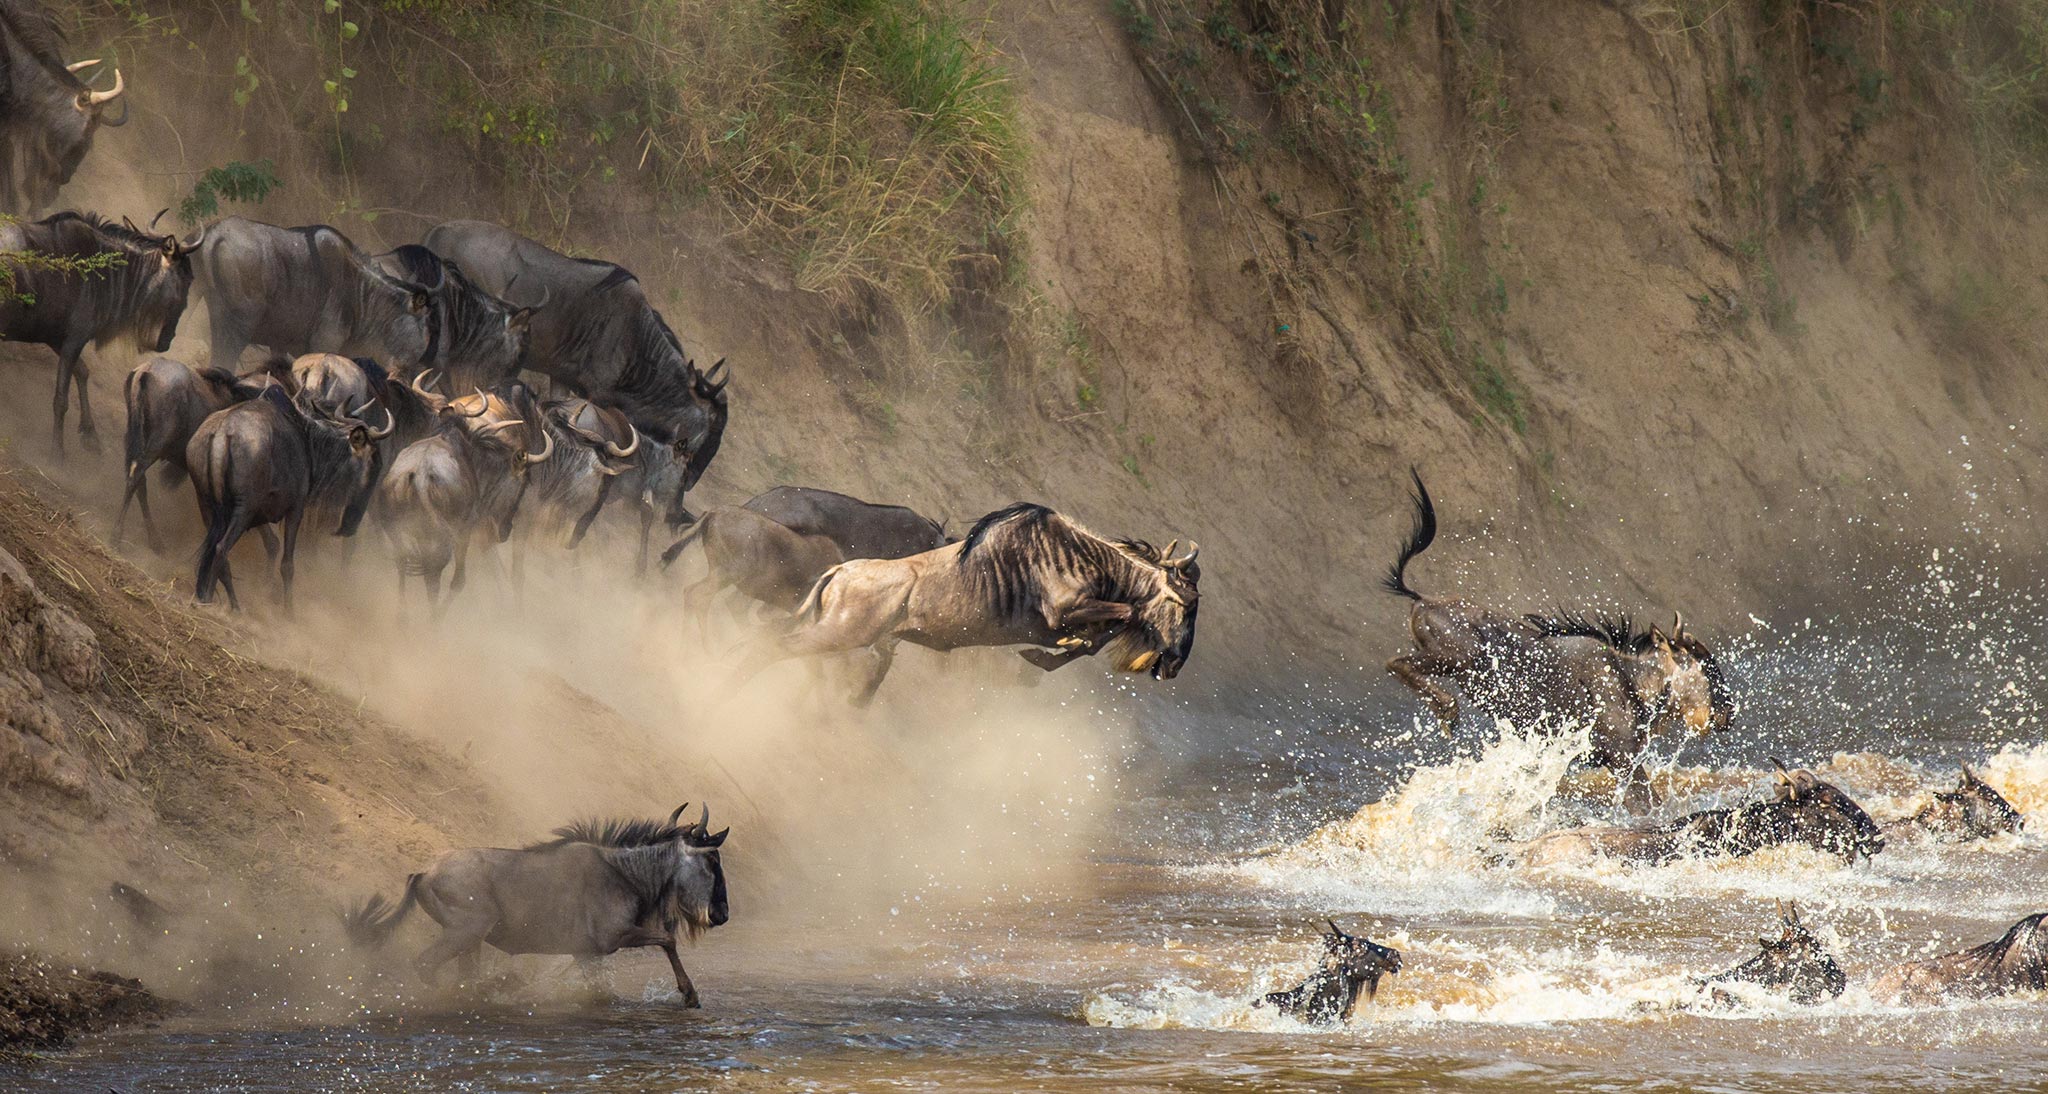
139	299
602	456
1973	810
595	889
760	557
1795	964
1024	575
167	399
601	337
861	529
464	478
308	290
2017	961
268	461
48	115
482	337
1350	965
1804	810
1550	672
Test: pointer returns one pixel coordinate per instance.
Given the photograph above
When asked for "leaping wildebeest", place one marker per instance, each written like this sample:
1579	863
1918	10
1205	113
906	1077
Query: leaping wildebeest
1350	966
139	298
308	290
595	889
1549	672
1025	575
167	399
48	114
268	461
600	336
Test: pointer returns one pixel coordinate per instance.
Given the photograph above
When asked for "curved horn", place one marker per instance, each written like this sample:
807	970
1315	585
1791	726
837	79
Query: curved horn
1172	545
419	383
187	248
77	67
622	453
483	406
97	100
1782	772
1969	776
547	446
704	818
390	425
679	812
492	429
159	216
1677	624
1336	930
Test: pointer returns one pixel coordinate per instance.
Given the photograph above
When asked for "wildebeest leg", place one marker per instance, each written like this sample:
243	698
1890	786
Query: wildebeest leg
604	490
884	653
1637	795
214	560
1419	674
698	597
137	491
456	940
285	567
67	363
88	430
270	545
683	985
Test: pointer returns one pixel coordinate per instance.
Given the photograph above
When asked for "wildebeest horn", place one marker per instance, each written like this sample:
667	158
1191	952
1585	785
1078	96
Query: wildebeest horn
678	813
187	248
1172	545
390	421
96	100
1677	624
419	382
1336	930
704	818
622	453
547	447
159	216
483	406
130	225
76	67
1969	776
492	429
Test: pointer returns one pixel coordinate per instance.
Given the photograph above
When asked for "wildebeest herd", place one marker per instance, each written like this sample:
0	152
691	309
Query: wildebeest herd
454	391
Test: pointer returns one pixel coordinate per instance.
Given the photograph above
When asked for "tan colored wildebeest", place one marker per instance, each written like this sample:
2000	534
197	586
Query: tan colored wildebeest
595	889
1552	672
1024	575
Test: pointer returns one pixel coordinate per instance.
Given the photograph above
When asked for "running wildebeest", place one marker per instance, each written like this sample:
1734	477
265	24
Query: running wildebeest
138	300
1024	575
1350	965
2017	961
760	557
1796	964
603	456
464	478
308	290
600	336
167	399
1973	810
1546	673
48	115
269	461
1804	810
482	337
595	889
861	529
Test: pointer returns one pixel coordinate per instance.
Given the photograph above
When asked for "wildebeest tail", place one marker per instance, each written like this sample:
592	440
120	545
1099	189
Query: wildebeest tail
807	610
371	922
1420	536
676	548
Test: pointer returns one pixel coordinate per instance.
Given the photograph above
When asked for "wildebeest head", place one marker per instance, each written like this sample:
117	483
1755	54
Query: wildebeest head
50	113
1360	961
1796	963
698	443
1973	810
1823	815
348	480
481	338
1694	683
1160	633
699	897
507	417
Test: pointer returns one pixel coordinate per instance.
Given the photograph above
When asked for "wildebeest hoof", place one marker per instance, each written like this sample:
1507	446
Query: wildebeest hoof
89	441
1073	642
691	1002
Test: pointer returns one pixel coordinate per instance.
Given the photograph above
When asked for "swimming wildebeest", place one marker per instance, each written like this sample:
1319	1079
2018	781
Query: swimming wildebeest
1804	810
464	478
861	529
268	461
595	889
1795	964
761	558
482	337
1350	965
2018	961
600	336
138	300
308	290
1973	810
48	115
167	399
1024	575
1549	672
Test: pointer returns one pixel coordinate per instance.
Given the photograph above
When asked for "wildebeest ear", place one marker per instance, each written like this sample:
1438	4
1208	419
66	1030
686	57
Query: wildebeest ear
519	319
418	303
717	839
1969	777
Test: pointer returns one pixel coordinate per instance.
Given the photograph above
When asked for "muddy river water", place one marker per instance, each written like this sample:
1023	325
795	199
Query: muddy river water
1202	889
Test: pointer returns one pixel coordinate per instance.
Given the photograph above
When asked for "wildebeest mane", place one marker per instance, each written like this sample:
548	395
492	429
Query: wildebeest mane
1006	553
1993	962
40	32
618	832
1617	631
